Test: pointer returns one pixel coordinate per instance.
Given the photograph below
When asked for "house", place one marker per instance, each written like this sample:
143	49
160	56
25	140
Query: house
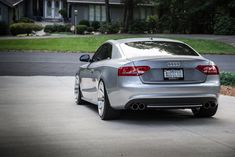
94	10
11	10
48	10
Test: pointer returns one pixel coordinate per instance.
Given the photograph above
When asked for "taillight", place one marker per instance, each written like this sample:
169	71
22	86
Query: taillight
132	70
208	69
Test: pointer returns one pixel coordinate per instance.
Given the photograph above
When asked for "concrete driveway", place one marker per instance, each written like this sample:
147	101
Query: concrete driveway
38	118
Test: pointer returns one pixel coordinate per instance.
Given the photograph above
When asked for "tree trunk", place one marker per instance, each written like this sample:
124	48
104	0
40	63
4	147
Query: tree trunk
125	17
107	7
128	13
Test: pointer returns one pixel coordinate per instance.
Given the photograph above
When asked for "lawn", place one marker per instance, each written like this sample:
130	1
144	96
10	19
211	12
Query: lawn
91	43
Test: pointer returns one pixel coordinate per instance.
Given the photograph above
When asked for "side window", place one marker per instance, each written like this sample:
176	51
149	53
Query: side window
104	52
109	51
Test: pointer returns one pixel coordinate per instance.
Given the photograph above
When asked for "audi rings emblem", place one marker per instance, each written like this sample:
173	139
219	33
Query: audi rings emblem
173	64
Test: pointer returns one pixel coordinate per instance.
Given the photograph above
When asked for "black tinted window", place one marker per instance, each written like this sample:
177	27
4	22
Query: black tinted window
156	48
104	52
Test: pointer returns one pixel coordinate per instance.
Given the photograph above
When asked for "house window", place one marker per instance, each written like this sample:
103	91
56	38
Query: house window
97	13
103	16
144	13
91	13
0	14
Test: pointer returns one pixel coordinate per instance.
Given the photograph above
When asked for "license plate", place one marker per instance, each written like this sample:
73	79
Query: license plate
173	74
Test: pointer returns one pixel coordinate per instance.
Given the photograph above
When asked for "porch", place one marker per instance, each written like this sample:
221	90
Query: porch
45	10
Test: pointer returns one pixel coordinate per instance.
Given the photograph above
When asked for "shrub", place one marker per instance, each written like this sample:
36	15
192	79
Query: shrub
84	22
49	29
90	29
227	78
24	28
109	28
95	25
68	27
114	28
57	28
103	28
81	29
60	28
164	24
25	20
152	24
224	25
138	26
4	29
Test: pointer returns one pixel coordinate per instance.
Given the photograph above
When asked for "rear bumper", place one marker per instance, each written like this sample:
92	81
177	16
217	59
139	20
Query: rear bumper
163	95
172	102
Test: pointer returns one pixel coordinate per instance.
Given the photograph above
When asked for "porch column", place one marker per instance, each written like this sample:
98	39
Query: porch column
44	8
68	6
37	7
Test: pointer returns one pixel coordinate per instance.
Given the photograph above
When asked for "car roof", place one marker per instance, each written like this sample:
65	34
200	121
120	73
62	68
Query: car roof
127	40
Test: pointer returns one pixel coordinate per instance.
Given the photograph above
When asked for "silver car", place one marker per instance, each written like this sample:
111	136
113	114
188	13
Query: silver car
148	73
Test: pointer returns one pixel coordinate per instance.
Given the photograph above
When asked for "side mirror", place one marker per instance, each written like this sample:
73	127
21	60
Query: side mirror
85	58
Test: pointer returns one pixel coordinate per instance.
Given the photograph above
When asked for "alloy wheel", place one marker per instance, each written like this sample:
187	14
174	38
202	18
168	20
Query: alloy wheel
76	88
101	98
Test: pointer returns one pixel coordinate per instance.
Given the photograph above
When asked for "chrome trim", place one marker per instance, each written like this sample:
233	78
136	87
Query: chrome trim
173	64
175	106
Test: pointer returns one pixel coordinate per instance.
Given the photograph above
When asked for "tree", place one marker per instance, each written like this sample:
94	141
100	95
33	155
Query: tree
128	13
129	6
193	16
107	7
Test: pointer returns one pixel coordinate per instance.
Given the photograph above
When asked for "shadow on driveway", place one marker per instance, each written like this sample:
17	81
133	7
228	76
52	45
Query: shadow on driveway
159	117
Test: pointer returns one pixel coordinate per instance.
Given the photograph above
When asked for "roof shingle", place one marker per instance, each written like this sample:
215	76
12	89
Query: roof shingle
11	3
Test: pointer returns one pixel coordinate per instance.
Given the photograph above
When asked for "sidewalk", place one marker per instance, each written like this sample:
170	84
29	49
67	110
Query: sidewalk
42	37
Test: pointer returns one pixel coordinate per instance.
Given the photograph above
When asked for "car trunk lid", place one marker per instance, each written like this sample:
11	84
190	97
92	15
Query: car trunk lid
180	69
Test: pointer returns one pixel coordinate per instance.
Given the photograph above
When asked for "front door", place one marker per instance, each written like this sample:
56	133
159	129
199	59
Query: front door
52	8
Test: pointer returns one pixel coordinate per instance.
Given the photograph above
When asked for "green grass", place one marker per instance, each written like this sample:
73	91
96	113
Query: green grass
210	46
91	43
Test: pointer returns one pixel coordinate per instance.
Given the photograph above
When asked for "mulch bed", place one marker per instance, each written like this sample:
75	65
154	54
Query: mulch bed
227	90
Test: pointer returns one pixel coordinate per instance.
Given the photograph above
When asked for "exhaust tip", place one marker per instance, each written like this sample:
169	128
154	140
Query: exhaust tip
137	106
207	105
141	107
213	105
134	106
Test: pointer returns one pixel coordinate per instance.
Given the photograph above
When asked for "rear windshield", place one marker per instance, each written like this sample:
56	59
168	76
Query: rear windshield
156	48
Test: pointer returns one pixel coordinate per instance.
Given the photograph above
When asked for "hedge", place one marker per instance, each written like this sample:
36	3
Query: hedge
24	28
84	22
81	29
109	28
57	28
227	78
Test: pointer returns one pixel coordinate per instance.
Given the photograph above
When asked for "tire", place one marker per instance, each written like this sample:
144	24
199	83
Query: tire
205	113
77	91
106	112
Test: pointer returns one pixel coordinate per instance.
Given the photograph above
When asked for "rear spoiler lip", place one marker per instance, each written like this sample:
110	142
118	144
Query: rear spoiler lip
152	58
